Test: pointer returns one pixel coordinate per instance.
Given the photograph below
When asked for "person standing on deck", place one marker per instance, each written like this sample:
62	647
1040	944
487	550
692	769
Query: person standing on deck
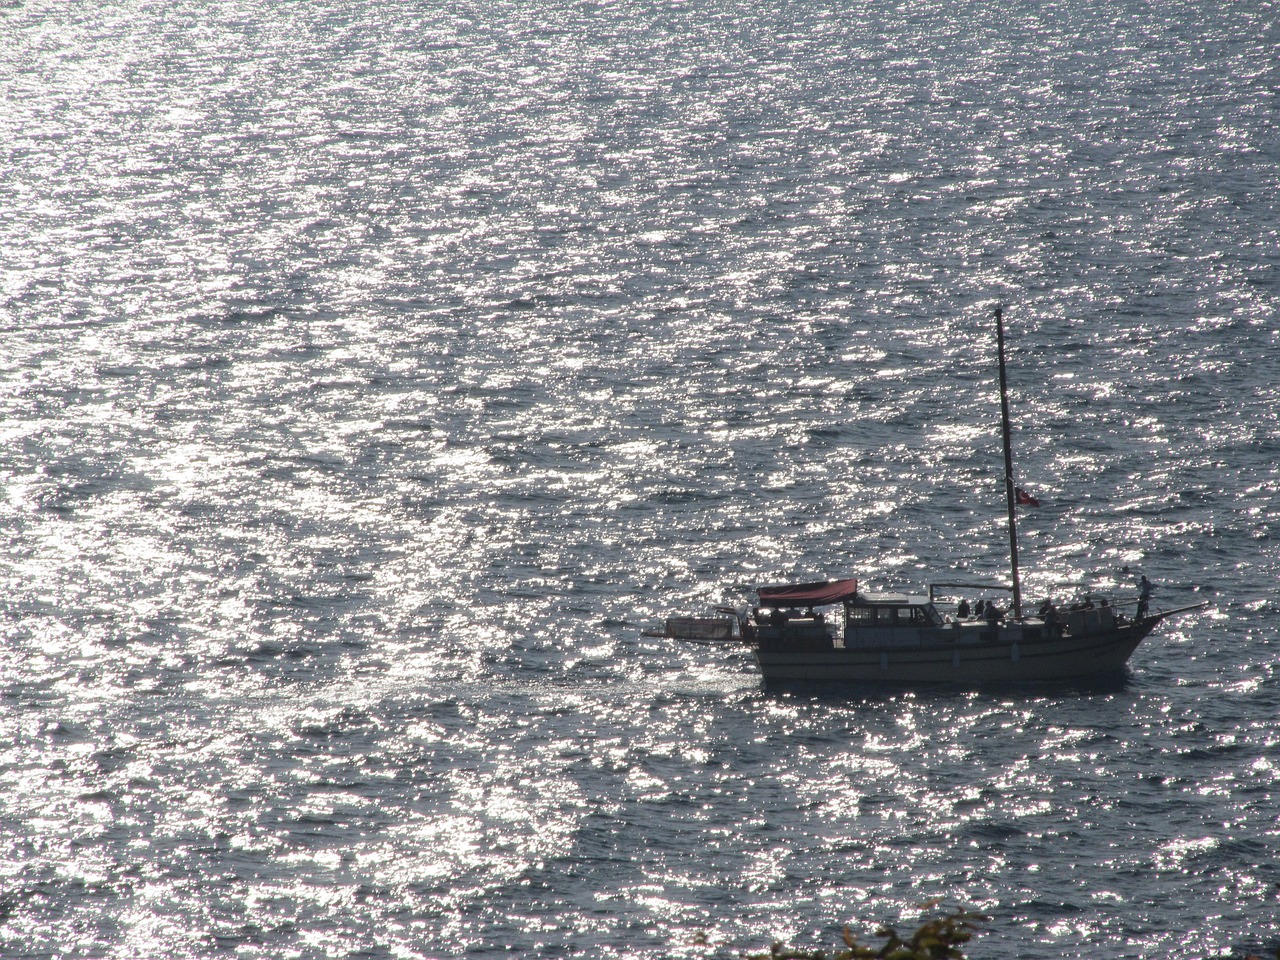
993	615
1144	596
1049	613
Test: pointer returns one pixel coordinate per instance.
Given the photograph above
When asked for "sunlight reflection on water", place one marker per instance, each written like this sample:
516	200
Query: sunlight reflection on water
376	372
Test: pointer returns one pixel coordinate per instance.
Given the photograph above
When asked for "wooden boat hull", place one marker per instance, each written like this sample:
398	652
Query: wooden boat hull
1010	659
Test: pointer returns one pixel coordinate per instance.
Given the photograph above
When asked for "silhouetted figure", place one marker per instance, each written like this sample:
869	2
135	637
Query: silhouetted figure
992	613
1144	596
1050	616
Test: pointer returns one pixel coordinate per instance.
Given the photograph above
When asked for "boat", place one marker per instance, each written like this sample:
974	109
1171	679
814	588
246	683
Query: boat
834	631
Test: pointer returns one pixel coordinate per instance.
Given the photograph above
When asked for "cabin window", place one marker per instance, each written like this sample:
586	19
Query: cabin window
893	616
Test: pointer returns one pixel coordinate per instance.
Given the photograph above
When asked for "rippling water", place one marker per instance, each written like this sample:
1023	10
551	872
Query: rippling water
374	371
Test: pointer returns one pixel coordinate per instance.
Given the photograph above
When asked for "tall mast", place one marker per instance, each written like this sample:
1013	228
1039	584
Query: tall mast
1008	466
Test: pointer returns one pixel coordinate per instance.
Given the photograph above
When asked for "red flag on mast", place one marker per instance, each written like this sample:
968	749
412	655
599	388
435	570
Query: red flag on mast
1024	499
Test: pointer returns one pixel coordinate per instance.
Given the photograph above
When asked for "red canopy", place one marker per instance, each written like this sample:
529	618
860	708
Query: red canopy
808	594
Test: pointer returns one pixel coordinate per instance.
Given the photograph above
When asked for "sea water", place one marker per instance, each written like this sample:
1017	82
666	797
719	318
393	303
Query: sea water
374	372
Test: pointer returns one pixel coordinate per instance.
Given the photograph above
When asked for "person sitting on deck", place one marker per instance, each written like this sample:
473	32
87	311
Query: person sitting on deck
962	611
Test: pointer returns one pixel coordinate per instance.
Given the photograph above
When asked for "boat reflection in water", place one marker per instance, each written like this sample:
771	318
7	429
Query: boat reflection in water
833	632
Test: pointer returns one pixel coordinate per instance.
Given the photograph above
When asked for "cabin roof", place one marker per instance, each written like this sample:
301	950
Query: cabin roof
896	599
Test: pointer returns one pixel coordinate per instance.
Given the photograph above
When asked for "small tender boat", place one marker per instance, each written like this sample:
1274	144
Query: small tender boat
834	632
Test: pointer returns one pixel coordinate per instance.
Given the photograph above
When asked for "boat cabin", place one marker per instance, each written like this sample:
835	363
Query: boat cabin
874	620
792	615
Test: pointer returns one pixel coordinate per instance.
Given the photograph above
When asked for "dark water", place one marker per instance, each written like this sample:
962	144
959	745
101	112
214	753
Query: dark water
373	372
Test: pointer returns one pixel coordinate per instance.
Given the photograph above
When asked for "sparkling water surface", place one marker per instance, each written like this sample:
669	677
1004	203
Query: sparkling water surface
374	372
